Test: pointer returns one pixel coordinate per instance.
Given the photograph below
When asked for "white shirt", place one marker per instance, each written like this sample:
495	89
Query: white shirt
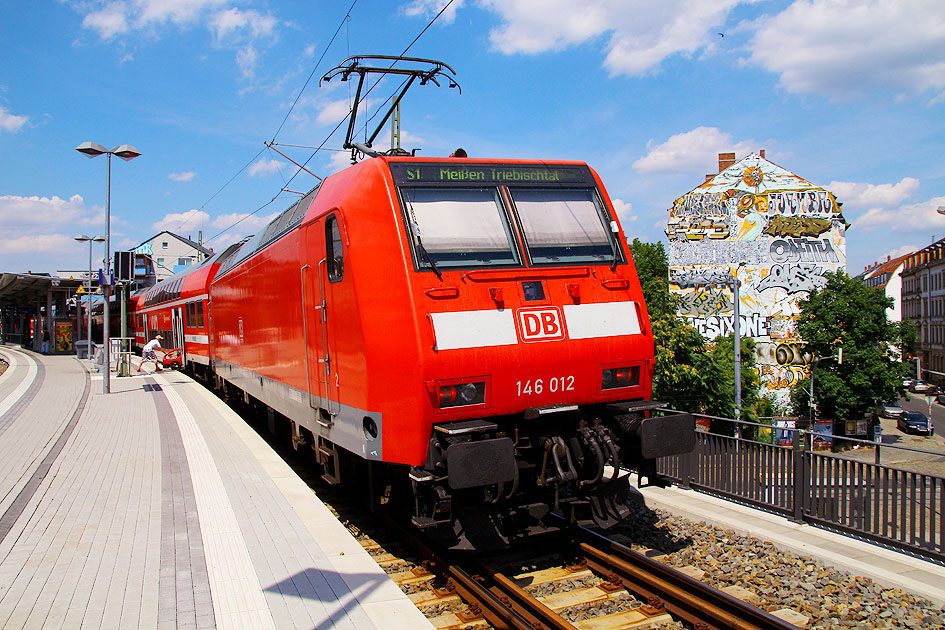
151	345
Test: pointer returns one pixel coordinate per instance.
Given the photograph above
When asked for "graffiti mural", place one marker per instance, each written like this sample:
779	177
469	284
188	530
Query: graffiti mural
776	231
797	226
794	279
705	302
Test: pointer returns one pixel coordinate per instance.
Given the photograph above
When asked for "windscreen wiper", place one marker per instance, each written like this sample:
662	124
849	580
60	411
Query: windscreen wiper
425	254
415	228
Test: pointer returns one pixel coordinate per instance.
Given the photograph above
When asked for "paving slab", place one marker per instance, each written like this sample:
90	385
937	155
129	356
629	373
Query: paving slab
156	506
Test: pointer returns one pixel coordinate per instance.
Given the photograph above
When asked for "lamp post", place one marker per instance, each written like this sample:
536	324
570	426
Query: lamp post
737	323
88	331
127	153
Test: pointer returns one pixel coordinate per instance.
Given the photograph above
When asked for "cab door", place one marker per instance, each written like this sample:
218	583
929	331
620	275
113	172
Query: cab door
318	279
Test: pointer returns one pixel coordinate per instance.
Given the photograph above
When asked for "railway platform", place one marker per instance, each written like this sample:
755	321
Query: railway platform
887	567
156	506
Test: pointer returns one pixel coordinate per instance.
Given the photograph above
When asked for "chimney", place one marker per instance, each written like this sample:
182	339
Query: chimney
762	153
726	160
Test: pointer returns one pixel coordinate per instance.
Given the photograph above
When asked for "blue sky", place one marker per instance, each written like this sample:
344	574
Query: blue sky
849	95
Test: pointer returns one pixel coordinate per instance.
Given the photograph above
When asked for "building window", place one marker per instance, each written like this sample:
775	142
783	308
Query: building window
183	261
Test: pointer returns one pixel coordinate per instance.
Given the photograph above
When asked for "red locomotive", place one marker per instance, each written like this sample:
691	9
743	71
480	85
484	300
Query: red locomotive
477	326
472	333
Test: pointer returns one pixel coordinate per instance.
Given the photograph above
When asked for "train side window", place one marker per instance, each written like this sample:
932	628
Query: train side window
199	313
191	317
334	250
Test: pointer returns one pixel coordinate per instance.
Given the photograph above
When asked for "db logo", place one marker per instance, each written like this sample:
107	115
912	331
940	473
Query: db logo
540	324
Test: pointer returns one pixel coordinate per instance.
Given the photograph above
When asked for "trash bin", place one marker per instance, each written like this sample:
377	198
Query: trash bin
82	349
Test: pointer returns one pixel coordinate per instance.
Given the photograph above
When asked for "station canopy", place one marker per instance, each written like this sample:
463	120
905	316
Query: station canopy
25	289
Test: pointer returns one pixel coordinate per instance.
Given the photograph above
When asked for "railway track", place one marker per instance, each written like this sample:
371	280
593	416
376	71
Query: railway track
589	582
607	586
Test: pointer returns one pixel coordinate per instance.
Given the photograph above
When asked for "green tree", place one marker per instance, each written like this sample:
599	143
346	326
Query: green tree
722	350
653	271
686	375
847	314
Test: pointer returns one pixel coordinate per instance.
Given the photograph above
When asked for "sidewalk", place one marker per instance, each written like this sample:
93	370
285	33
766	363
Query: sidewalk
157	507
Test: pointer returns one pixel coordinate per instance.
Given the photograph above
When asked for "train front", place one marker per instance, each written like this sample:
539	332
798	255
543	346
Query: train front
539	364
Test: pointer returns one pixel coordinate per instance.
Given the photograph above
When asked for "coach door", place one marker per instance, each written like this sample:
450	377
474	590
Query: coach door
177	327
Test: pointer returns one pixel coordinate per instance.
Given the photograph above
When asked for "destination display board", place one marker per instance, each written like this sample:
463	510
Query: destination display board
501	174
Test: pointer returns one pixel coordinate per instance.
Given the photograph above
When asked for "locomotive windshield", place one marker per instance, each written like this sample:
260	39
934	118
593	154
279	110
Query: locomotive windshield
562	225
475	215
459	226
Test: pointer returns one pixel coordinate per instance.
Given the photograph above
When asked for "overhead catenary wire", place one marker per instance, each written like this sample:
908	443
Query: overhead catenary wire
302	167
344	20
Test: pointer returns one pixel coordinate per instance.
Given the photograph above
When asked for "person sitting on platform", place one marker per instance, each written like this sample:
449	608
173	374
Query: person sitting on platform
147	353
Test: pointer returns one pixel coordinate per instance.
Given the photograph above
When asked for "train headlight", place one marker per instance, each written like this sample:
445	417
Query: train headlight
461	394
613	378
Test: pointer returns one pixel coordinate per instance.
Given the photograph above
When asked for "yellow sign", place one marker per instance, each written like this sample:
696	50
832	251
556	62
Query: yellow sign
80	289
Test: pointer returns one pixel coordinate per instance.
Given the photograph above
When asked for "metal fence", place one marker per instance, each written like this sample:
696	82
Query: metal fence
890	505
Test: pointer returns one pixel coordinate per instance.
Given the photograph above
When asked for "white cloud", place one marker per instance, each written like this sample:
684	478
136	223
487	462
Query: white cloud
846	47
28	213
432	7
624	210
248	223
693	151
902	251
263	167
331	112
232	28
339	161
246	60
38	243
916	217
235	24
860	195
186	176
176	11
641	34
36	232
10	122
109	21
178	221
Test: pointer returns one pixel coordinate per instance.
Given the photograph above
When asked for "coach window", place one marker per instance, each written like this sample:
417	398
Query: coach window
199	313
335	255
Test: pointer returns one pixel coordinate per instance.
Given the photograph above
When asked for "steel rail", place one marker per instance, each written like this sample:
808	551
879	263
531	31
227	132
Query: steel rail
503	603
679	594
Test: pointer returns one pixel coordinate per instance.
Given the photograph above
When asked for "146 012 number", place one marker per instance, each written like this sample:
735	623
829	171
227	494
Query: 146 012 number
539	385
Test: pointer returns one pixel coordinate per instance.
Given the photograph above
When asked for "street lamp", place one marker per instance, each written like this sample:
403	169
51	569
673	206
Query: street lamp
127	153
88	331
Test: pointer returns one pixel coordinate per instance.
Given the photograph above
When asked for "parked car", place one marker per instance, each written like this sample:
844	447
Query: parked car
940	399
918	387
907	383
915	422
889	410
